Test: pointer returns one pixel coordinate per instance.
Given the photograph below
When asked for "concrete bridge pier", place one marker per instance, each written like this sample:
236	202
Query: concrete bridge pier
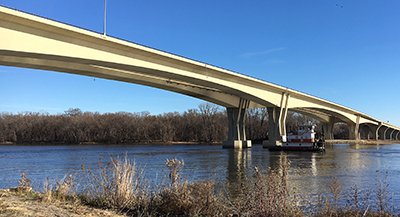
375	131
353	132
277	122
274	138
386	134
382	132
368	130
353	129
391	132
277	127
328	128
237	123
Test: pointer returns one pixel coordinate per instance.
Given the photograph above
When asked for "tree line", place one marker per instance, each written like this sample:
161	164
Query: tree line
208	123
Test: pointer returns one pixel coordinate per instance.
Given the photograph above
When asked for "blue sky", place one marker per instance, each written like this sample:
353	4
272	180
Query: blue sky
349	55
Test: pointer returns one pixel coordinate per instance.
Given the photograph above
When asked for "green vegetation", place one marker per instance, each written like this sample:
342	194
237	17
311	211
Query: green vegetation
207	124
120	186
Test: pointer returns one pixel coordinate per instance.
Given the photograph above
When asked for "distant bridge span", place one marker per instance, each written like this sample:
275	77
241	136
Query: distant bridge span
30	41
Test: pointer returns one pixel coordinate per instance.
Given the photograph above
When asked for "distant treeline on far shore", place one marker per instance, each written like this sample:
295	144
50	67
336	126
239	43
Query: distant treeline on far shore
208	124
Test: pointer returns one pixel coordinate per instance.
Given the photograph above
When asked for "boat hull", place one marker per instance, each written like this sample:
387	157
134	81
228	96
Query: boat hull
314	147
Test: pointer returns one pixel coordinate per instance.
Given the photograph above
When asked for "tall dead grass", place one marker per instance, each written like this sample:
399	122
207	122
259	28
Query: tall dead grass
181	197
117	185
266	194
120	185
355	201
61	190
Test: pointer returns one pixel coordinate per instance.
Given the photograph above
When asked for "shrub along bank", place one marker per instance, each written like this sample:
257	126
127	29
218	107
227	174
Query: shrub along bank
119	187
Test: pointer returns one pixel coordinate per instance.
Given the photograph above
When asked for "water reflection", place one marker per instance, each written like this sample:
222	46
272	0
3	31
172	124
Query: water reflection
236	171
314	166
241	164
310	173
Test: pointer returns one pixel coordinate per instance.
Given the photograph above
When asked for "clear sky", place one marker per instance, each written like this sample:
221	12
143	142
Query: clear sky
347	52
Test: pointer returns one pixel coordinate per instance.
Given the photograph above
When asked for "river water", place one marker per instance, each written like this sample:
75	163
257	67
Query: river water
310	173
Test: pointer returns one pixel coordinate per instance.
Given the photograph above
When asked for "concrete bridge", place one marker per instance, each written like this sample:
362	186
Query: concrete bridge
30	41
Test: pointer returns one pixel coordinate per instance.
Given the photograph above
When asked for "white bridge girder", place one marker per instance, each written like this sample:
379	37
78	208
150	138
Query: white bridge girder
34	42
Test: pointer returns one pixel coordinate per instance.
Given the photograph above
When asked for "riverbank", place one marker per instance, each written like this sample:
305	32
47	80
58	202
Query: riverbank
363	142
103	143
120	190
25	202
255	142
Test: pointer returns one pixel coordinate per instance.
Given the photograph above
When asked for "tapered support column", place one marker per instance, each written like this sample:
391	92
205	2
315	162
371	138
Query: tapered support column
277	129
277	123
391	134
283	115
328	129
353	132
367	130
378	132
386	134
274	138
353	129
237	123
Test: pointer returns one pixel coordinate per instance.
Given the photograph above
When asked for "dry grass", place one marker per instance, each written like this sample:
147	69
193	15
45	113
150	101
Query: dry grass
116	185
120	186
266	194
180	197
355	201
61	190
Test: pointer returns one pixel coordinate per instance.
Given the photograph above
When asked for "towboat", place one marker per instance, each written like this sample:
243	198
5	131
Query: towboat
304	140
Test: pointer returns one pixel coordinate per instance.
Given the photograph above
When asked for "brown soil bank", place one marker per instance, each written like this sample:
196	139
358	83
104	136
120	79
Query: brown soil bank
118	190
27	203
363	142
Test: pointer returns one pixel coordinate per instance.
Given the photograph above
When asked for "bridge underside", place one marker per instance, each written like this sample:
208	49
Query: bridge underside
32	42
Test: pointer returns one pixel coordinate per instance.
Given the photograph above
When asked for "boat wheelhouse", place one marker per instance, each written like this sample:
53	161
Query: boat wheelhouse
304	140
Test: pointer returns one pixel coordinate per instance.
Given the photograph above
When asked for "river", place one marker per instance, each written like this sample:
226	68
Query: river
310	173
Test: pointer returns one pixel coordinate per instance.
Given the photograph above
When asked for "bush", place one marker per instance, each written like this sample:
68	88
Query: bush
119	185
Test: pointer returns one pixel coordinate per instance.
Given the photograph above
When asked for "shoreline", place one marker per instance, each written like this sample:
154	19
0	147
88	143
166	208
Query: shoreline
256	142
104	143
178	197
363	142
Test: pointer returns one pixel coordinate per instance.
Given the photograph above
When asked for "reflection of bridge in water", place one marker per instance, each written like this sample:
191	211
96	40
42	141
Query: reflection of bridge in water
34	42
237	171
311	173
241	168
